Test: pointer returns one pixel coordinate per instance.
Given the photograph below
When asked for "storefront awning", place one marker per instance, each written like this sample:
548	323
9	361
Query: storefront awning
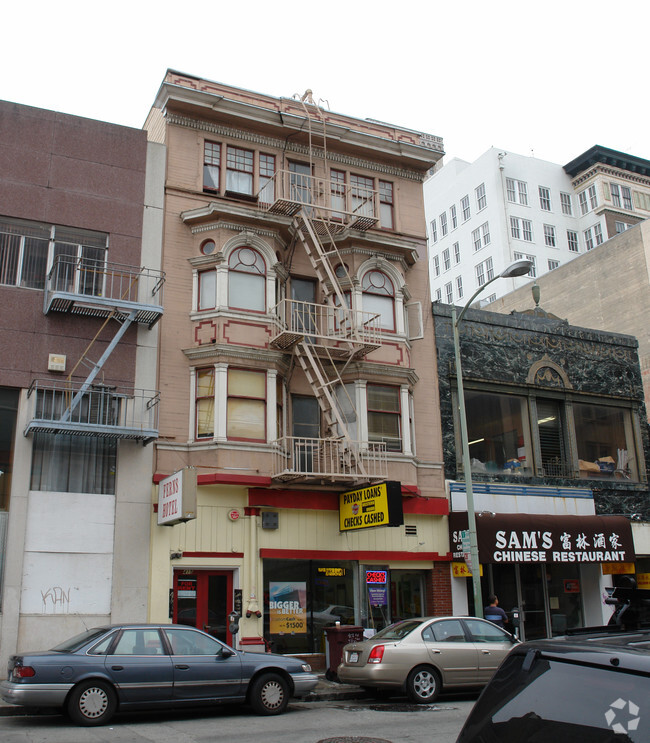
520	537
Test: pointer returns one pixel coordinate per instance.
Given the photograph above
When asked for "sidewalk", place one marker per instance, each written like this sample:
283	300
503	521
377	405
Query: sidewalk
325	691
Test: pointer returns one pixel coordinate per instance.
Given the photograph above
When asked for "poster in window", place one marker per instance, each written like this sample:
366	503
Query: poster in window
288	607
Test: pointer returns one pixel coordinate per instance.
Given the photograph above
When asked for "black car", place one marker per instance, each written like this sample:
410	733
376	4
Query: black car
147	666
592	686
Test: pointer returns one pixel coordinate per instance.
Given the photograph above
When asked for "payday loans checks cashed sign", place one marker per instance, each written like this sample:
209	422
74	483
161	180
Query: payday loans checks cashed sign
376	505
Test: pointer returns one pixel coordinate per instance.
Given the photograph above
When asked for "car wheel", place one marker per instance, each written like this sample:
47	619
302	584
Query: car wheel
423	685
92	703
269	694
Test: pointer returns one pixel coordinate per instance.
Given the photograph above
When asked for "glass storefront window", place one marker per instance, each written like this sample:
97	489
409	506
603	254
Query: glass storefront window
498	433
301	598
605	443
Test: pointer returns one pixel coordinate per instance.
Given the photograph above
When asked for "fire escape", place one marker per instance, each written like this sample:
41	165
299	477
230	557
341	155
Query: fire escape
114	293
324	339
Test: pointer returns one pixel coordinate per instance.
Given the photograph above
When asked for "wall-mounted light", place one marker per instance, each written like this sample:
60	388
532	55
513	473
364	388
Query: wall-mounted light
175	555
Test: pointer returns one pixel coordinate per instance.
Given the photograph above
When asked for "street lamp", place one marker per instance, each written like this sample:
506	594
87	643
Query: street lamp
518	268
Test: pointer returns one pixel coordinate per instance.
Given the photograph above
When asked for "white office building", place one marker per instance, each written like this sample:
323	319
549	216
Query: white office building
484	215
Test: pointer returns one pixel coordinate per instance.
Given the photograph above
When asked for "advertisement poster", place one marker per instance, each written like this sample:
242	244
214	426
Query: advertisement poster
288	607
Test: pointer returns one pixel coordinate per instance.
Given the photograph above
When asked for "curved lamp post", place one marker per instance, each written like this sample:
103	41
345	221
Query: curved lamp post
518	268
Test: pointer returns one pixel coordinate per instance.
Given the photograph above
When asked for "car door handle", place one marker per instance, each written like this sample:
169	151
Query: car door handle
485	652
435	651
117	668
181	667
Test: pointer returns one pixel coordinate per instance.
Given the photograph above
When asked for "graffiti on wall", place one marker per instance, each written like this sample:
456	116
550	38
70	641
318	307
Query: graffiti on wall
55	600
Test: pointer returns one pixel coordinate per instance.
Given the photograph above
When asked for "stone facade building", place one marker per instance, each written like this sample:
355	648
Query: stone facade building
558	448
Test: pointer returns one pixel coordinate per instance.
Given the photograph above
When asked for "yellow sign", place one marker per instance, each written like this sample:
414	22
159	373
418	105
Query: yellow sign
643	580
460	570
287	608
376	505
618	568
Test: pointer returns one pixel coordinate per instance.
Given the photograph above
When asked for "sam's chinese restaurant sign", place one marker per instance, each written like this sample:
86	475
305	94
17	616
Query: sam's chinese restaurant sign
375	505
517	538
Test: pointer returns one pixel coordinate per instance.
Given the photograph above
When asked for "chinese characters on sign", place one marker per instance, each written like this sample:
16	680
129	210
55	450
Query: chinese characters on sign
534	538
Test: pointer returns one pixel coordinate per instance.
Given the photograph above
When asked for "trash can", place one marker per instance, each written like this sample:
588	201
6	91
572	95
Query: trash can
337	637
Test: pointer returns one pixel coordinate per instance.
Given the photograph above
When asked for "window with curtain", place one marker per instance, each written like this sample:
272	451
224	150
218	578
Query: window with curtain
246	406
207	290
246	280
384	415
73	464
239	171
379	298
211	166
204	403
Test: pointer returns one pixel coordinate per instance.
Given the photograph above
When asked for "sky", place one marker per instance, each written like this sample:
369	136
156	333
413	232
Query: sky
548	79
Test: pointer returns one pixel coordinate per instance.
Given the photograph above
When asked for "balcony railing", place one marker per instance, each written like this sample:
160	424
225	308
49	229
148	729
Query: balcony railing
99	410
89	287
335	327
297	457
345	204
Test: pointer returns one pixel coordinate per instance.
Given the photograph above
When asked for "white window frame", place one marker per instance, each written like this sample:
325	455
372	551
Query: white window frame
481	198
453	216
566	203
464	205
573	241
517	191
549	236
544	198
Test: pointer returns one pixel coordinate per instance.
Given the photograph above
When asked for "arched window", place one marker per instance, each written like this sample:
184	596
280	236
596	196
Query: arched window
246	280
379	298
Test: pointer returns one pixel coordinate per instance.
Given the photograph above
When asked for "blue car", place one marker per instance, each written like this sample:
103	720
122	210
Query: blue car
146	666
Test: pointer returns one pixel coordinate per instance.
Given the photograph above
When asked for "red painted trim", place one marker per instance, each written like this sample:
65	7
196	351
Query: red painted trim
219	478
314	500
360	555
213	554
251	511
304	499
430	506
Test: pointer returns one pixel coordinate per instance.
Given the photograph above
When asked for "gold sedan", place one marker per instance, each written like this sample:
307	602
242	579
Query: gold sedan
424	655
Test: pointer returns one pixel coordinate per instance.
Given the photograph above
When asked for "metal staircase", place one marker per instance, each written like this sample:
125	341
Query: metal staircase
112	292
325	339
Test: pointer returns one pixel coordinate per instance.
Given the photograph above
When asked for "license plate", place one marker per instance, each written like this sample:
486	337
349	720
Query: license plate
353	657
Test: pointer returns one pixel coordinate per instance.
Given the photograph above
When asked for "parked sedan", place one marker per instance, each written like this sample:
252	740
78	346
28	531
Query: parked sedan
145	666
424	655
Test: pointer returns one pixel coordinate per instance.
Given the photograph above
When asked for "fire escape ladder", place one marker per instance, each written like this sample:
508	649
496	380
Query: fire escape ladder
97	366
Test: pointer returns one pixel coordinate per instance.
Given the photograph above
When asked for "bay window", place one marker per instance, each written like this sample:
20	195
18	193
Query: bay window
246	280
384	415
204	404
379	298
246	405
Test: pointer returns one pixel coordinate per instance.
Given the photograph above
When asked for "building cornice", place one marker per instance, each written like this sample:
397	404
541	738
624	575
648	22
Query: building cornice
295	148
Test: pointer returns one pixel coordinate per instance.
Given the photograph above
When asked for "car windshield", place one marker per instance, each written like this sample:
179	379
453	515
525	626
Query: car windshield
398	630
78	641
